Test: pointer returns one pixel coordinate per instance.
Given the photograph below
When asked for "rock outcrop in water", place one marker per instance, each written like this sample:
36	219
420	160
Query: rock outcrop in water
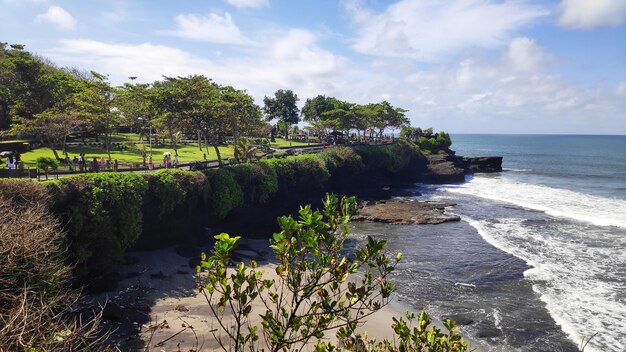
405	212
449	168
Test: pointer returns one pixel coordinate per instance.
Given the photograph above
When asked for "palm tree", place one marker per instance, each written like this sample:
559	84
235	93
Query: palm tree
244	151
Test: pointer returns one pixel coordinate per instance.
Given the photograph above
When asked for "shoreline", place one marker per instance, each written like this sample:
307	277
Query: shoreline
158	306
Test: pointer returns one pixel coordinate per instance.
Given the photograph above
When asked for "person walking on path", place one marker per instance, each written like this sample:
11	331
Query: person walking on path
103	163
115	165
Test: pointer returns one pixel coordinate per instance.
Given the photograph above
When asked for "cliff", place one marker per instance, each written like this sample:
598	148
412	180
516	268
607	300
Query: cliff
450	168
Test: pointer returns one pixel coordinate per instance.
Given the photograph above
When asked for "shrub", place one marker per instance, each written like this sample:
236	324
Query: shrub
303	174
257	181
225	195
317	290
46	164
172	207
342	160
389	159
167	192
36	306
104	216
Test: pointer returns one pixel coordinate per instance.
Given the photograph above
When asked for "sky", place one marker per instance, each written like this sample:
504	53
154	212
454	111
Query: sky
463	66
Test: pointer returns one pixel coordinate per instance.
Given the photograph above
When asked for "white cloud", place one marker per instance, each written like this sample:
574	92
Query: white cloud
59	17
292	60
525	55
513	92
429	29
212	28
248	3
591	13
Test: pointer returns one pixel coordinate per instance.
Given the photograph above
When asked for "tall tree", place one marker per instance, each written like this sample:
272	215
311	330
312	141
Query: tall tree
134	103
29	85
314	109
243	114
388	116
284	107
97	103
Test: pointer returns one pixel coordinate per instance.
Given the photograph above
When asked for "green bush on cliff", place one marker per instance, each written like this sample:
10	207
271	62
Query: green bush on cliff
167	192
225	194
390	158
302	173
257	181
104	216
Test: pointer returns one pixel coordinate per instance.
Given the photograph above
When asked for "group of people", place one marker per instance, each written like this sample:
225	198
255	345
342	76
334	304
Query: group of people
168	162
13	161
95	165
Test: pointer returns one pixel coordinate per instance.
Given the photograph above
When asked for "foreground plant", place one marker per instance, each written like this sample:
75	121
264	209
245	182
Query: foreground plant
317	290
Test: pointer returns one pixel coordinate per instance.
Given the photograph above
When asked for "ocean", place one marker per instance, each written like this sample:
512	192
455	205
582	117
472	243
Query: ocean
538	262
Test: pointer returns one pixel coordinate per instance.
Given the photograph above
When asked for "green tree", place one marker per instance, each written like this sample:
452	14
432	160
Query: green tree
243	115
314	109
282	107
47	164
317	290
135	104
97	102
387	116
244	151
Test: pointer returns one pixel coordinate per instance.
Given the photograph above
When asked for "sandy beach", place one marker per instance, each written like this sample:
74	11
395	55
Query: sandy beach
158	306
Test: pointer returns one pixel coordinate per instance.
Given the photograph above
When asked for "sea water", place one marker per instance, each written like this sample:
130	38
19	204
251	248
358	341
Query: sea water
538	262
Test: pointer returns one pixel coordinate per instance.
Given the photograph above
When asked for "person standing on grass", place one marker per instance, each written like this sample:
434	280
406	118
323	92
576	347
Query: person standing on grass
103	164
115	165
10	163
94	164
81	162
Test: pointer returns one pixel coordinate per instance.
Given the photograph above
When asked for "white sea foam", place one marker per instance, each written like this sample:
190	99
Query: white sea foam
597	210
569	272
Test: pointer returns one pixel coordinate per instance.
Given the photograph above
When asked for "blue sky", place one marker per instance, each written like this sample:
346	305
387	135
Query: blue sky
478	66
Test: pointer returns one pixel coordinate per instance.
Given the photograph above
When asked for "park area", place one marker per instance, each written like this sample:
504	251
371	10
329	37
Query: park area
129	148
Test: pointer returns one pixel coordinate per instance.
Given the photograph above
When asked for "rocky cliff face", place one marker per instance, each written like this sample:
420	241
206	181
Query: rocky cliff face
449	168
480	164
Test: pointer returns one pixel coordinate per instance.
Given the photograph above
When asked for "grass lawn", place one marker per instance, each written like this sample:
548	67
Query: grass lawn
281	142
116	137
186	153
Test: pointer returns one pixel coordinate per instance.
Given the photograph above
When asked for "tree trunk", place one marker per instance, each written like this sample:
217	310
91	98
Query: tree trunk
107	142
54	151
219	156
171	133
199	141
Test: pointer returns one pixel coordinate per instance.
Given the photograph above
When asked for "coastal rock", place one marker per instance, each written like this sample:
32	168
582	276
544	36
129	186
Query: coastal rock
484	164
450	168
460	319
441	168
405	212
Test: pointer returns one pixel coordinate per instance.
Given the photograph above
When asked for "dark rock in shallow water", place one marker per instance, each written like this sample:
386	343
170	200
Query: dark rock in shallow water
449	168
405	212
489	332
480	164
460	319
